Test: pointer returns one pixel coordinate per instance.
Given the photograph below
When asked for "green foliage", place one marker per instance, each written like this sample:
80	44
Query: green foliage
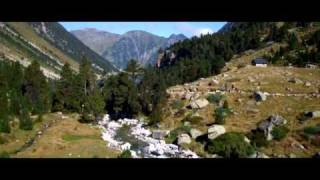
258	139
215	98
25	120
312	130
220	114
230	145
279	132
134	69
193	119
293	41
125	154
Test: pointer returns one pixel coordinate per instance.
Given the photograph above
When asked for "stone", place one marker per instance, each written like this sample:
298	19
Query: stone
159	134
307	84
187	96
251	79
253	111
247	140
277	120
184	139
260	96
258	155
295	80
199	103
195	133
291	155
215	130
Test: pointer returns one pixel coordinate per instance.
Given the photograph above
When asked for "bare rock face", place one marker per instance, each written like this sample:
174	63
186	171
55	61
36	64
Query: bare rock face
215	130
198	104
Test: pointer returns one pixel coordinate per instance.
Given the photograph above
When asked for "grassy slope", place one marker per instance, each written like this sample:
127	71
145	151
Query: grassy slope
272	79
27	32
64	138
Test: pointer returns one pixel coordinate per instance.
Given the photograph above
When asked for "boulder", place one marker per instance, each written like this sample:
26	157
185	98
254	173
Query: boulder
159	134
258	155
125	146
252	110
184	139
195	133
215	130
307	84
199	103
277	120
295	80
187	95
260	96
312	114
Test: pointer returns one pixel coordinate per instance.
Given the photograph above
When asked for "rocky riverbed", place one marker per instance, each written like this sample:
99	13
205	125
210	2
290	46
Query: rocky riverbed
138	140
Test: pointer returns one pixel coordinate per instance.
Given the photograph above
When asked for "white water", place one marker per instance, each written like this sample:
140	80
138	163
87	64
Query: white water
154	148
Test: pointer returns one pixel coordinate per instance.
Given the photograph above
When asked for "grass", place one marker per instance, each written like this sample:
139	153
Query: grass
66	138
71	137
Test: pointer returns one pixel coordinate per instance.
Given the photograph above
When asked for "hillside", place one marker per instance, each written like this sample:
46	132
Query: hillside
24	42
238	85
119	49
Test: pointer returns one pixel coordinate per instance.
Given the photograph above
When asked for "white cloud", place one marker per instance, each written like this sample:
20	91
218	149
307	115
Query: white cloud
190	30
203	31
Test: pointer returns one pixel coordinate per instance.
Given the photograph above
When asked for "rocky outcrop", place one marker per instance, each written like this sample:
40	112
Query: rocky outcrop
215	130
267	126
184	139
195	133
198	104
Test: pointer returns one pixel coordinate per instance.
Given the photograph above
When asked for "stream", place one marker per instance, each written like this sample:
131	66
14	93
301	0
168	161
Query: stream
131	134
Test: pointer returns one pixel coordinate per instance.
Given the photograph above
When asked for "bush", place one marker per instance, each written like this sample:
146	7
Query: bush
215	98
230	145
86	118
125	154
177	104
313	130
258	139
25	121
279	133
220	115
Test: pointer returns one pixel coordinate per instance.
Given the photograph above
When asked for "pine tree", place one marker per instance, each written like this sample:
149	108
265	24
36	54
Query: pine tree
36	89
293	42
134	69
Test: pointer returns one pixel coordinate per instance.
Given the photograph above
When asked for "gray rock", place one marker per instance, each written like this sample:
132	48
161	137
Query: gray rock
199	103
277	120
307	84
159	134
295	80
260	96
215	130
258	155
195	133
184	139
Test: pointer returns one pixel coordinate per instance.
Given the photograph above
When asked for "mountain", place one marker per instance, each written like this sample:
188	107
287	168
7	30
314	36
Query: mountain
97	40
119	49
50	44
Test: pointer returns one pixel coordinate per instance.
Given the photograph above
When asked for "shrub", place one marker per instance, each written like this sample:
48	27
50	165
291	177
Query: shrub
86	118
125	154
220	115
215	98
230	145
313	130
177	104
258	139
279	133
25	121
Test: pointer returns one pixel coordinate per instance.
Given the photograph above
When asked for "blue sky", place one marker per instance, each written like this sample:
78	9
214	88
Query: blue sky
164	29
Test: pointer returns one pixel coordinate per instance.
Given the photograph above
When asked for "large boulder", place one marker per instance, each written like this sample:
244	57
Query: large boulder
312	114
159	134
260	96
195	133
267	126
295	80
184	139
199	103
215	130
